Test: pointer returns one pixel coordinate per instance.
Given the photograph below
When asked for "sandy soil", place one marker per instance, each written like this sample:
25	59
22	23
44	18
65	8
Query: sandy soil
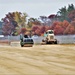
37	60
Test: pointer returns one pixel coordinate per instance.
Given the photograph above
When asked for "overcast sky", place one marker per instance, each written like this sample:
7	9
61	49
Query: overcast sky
34	8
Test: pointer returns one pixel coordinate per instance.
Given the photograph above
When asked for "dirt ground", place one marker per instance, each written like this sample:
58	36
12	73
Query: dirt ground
37	60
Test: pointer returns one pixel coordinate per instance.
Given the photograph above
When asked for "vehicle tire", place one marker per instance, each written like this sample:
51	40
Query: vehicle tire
21	45
43	40
55	42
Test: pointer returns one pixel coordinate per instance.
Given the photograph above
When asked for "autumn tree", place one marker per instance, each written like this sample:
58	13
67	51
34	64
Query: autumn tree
58	30
59	27
39	30
47	28
20	18
73	27
9	24
23	30
33	21
34	28
54	25
42	29
7	28
15	21
70	29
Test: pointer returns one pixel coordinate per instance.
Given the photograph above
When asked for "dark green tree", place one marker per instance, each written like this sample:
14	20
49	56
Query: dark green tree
70	8
64	12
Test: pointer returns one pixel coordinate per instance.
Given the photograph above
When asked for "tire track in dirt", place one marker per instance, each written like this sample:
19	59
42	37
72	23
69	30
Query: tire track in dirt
20	59
8	60
22	68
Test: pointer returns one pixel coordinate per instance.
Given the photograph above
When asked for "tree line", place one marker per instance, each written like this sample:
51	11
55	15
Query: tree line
63	23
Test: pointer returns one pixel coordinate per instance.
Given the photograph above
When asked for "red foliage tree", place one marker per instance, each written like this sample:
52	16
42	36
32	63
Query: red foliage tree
34	28
65	24
73	27
7	28
47	28
54	25
23	30
42	29
58	30
59	27
37	32
9	24
70	29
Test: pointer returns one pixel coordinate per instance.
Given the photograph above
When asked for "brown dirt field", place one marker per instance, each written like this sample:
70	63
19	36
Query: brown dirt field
37	60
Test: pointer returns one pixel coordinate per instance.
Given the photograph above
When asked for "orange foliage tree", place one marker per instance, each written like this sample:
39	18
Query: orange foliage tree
70	29
23	30
36	30
59	27
39	30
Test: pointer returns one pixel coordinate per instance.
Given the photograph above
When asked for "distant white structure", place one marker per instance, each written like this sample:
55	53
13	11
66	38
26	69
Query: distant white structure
1	35
34	36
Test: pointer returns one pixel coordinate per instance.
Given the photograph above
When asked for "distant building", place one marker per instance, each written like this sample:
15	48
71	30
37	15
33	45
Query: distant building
1	27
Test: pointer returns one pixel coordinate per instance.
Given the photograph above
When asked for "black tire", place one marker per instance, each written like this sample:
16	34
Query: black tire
21	45
55	42
43	40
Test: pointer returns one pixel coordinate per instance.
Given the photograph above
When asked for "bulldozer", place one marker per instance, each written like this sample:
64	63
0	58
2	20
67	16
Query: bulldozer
49	38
